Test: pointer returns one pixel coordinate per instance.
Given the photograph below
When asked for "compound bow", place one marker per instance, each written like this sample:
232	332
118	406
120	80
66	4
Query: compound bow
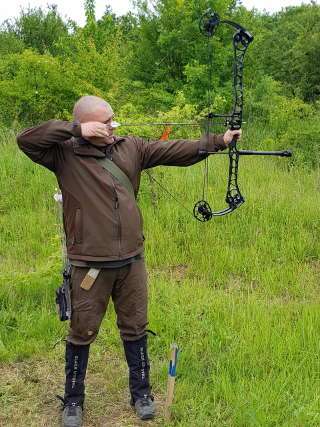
241	41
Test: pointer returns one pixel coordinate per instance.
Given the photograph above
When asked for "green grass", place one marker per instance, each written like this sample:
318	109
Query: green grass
240	295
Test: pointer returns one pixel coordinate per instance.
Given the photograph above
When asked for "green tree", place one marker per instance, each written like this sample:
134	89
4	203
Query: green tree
38	29
10	43
289	49
36	87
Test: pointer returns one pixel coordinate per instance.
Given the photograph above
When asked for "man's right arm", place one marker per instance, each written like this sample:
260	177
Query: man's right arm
42	143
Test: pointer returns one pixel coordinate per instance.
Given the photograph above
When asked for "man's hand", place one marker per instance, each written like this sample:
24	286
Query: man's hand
230	135
94	129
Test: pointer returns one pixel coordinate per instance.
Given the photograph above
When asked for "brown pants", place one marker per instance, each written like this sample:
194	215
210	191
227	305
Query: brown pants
128	289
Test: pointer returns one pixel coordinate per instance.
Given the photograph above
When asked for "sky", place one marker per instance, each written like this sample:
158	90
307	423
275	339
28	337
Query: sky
74	10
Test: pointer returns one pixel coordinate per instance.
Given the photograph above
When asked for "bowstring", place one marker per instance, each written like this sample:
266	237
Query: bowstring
164	137
208	123
207	130
168	192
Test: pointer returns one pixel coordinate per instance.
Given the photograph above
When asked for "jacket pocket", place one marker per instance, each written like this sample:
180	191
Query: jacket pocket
78	226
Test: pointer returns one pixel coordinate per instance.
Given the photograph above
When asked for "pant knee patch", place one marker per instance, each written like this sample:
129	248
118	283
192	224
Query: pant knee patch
84	326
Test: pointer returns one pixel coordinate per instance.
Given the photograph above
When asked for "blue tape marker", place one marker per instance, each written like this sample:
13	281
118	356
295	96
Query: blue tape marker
173	364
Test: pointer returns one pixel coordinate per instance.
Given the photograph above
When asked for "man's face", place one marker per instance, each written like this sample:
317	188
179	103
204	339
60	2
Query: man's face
103	115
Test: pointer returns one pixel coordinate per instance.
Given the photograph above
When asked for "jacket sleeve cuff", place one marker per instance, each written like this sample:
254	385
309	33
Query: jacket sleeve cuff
76	129
212	142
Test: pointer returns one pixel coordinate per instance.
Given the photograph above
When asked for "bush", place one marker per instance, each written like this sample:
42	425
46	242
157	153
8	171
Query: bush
36	87
285	122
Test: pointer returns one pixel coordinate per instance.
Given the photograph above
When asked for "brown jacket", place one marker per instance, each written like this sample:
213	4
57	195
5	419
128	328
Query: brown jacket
101	220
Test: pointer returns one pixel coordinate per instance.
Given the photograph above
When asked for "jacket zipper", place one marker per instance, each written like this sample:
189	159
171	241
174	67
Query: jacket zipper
116	206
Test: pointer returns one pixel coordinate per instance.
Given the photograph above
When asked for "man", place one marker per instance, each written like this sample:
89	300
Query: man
103	228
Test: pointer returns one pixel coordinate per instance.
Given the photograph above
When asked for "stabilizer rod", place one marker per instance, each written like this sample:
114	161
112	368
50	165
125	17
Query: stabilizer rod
284	153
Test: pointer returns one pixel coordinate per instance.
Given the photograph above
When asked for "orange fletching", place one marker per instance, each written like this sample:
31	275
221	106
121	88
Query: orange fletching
166	133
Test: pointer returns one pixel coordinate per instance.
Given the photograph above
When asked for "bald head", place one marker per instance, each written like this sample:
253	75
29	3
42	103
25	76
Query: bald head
92	109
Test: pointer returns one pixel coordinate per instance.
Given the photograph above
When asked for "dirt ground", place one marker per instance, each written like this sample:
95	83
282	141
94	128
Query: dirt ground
28	393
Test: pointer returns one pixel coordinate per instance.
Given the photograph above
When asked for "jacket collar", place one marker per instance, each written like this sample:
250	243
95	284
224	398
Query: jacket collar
81	147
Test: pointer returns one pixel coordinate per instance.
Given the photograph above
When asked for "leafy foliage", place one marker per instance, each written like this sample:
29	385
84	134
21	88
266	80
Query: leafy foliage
38	29
148	60
34	87
289	49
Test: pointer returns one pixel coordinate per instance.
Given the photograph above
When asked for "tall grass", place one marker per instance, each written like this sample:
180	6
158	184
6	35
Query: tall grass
240	294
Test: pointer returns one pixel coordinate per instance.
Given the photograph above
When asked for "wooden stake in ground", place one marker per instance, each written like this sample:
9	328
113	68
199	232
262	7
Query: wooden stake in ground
171	378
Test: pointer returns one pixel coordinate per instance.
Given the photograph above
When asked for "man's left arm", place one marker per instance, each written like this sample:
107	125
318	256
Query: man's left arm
181	152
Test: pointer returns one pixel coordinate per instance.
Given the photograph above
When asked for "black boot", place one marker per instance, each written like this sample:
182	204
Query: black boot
76	367
139	367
